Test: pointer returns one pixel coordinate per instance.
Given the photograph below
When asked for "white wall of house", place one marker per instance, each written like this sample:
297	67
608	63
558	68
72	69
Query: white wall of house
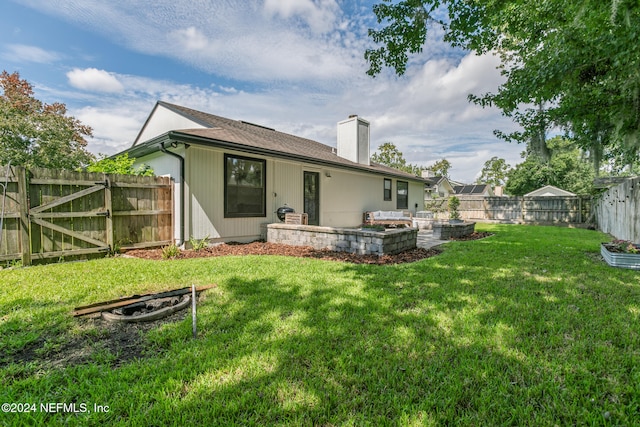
163	120
205	217
344	195
348	194
206	201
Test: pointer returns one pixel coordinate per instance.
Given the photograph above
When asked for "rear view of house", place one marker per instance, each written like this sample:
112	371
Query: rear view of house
231	176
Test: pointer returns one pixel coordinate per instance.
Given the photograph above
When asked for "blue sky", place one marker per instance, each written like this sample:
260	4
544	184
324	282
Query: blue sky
293	65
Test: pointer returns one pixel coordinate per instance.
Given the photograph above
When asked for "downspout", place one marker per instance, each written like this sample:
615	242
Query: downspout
181	159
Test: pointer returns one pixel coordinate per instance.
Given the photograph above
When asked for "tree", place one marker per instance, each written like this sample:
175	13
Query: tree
33	133
388	154
121	164
528	176
567	169
494	172
440	168
568	63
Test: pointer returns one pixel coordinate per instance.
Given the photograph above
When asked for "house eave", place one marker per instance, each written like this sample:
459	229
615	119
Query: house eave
153	145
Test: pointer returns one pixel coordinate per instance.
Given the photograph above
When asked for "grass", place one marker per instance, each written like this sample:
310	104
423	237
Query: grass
527	327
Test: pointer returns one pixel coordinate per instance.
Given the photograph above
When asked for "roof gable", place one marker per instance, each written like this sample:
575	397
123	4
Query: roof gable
166	117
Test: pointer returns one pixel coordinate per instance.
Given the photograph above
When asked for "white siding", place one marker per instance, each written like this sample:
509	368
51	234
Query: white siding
347	195
206	201
287	186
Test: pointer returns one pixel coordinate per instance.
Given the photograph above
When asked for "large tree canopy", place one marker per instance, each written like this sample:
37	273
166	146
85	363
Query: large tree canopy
388	154
566	169
573	64
33	133
440	168
494	172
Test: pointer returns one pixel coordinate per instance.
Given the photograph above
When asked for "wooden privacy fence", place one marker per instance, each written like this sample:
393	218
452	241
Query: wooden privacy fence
543	210
618	210
48	213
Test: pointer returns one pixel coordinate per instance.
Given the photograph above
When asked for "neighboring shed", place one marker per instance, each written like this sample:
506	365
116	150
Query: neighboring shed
231	176
549	191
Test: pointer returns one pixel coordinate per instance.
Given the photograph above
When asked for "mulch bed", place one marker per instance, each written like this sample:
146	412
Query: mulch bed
265	248
474	236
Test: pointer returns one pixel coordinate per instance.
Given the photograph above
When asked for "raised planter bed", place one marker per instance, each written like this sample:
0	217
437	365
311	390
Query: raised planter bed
446	230
357	241
619	259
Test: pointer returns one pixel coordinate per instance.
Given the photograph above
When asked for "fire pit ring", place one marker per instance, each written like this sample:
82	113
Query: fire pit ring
150	316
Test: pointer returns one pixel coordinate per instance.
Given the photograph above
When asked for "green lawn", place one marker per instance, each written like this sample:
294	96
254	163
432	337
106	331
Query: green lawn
526	327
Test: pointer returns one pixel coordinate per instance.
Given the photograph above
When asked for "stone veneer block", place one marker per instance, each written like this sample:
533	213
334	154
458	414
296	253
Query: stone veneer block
445	231
351	240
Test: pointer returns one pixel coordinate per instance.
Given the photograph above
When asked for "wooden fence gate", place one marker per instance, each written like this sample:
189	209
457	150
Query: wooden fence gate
52	214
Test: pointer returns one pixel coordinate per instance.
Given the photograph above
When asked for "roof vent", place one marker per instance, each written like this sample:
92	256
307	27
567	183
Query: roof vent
258	126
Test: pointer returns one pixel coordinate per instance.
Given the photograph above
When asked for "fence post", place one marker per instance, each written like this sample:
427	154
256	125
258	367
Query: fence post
580	209
23	200
108	205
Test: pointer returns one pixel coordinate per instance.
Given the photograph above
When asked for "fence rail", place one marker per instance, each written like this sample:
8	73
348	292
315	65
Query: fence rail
50	213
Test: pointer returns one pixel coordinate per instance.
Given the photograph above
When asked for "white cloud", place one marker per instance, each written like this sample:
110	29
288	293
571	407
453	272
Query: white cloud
191	39
94	80
26	53
113	129
273	41
320	16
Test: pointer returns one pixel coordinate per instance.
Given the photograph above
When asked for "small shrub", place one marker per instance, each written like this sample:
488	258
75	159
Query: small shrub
199	244
170	252
16	263
624	246
454	203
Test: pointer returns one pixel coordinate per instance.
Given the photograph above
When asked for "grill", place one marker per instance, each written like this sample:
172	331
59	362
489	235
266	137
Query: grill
282	211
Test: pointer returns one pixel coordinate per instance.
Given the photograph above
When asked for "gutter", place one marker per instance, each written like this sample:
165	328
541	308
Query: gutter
181	159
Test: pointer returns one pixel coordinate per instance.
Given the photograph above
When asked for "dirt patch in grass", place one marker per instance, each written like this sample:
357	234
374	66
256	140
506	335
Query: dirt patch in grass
98	341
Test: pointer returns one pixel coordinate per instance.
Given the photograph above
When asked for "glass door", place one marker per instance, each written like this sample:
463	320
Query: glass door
312	197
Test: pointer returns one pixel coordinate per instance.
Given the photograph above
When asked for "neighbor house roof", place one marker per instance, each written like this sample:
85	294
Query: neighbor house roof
433	181
249	137
472	189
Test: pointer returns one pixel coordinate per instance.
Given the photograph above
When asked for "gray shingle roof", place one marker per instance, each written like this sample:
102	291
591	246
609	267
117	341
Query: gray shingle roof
248	135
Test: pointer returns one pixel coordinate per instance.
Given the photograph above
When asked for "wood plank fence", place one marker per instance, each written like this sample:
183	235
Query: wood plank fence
51	213
541	210
535	210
